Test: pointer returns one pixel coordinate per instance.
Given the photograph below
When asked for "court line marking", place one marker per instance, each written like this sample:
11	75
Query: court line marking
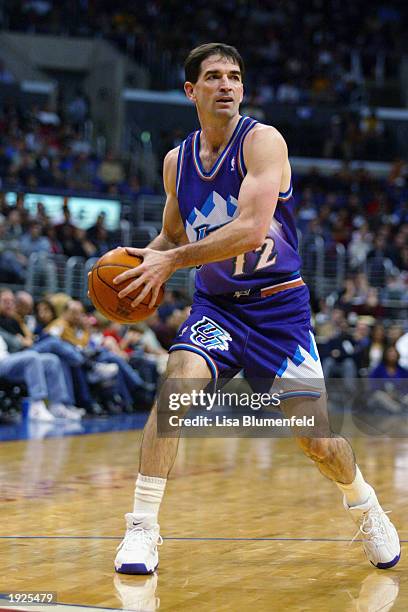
179	538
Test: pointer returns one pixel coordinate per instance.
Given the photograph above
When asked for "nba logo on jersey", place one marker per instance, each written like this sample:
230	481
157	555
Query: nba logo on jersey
233	164
209	335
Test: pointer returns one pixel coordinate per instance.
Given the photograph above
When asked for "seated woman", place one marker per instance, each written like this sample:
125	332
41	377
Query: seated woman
389	384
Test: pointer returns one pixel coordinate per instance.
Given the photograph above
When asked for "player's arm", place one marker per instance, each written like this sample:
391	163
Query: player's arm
172	233
265	156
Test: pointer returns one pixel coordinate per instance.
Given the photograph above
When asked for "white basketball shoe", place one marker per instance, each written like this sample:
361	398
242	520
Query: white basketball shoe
380	538
137	553
38	412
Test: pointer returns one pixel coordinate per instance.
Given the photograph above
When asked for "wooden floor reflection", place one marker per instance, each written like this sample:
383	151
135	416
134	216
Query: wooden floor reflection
248	525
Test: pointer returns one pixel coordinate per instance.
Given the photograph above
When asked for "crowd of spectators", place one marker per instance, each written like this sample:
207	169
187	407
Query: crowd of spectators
295	51
40	148
74	362
355	348
366	216
22	235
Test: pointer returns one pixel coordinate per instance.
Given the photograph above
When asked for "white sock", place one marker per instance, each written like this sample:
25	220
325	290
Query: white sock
148	496
357	492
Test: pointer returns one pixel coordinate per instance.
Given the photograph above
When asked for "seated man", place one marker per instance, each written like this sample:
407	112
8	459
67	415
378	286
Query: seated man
44	379
14	311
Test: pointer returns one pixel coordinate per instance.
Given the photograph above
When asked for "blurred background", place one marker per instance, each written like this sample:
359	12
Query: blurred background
90	102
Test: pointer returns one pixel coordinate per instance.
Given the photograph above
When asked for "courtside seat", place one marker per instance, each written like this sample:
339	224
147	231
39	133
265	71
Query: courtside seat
11	395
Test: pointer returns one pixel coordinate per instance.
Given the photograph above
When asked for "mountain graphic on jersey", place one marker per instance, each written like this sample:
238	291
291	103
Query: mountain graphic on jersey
215	212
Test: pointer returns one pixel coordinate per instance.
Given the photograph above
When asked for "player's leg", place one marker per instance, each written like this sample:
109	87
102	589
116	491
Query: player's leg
334	458
138	551
157	455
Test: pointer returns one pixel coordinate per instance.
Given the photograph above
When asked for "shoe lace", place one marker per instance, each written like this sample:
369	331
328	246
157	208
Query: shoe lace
372	526
144	537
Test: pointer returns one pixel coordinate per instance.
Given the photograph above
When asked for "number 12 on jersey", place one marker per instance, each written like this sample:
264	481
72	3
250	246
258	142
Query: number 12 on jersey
267	257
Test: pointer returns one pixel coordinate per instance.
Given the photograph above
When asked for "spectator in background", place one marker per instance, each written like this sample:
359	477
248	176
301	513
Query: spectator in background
55	245
346	299
394	333
389	383
66	222
142	337
73	327
81	173
23	312
29	365
402	348
41	215
78	109
14	227
33	241
165	329
12	261
43	376
340	361
110	171
20	206
45	313
72	240
359	246
79	368
377	345
9	319
93	232
361	344
102	242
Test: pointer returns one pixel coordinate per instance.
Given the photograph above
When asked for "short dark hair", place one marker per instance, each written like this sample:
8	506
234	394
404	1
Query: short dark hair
192	65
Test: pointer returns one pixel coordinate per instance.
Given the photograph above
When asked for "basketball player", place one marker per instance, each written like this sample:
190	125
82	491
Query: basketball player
229	210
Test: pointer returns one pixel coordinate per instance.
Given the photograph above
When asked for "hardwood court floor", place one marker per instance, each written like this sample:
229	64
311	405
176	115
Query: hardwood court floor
249	525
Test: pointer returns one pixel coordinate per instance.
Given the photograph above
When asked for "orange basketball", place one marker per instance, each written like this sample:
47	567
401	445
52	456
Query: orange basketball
104	294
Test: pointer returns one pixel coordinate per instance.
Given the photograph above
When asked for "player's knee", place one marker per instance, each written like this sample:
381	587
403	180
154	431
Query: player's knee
317	449
49	360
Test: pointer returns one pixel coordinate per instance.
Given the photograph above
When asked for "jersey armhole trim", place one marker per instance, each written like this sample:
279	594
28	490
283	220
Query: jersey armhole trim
286	195
180	160
283	195
240	155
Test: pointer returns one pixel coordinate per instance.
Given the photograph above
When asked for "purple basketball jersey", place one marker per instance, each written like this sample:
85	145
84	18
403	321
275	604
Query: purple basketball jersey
209	200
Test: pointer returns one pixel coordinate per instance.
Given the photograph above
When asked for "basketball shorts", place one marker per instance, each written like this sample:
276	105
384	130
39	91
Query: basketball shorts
269	337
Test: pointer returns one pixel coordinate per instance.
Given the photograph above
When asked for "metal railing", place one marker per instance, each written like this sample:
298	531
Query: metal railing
325	268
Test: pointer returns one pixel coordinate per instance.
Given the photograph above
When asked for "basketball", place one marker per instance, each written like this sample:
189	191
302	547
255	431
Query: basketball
104	294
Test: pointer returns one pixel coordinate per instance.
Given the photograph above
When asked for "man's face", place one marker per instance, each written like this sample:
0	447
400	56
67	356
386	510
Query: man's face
74	313
35	230
24	305
7	304
218	91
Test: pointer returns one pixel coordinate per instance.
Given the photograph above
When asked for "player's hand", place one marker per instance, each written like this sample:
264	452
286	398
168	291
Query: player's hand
155	269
